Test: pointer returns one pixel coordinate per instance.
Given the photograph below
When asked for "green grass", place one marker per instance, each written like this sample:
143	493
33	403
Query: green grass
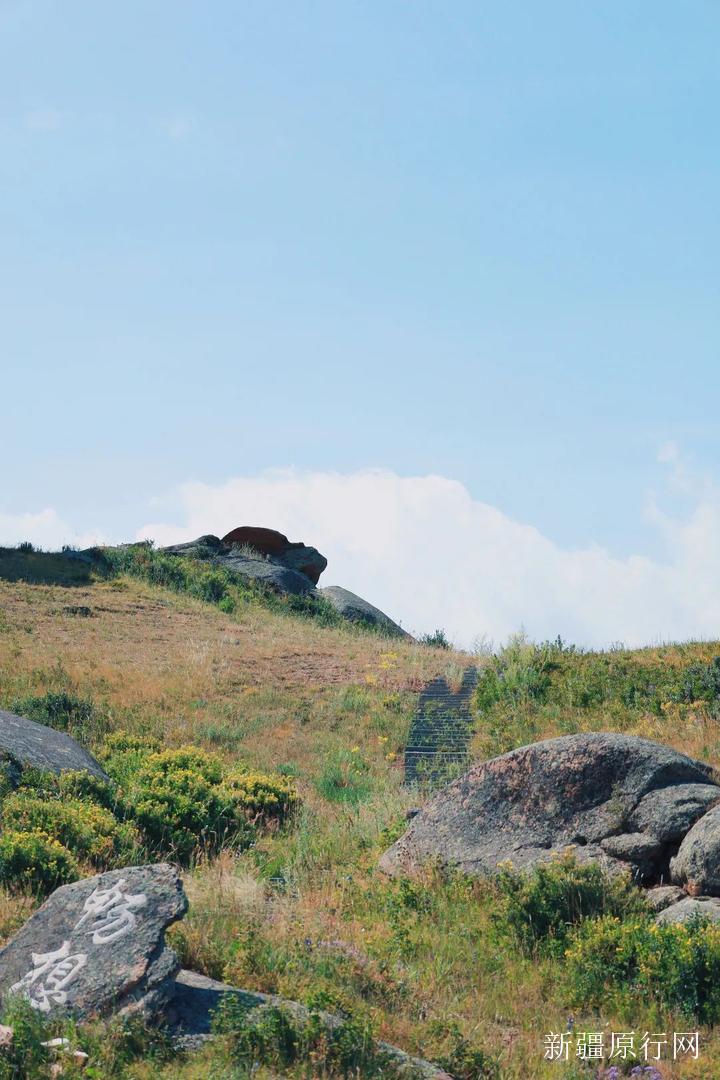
470	974
42	568
670	693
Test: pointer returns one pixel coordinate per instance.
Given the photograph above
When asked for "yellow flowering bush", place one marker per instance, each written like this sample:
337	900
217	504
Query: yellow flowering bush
260	797
89	831
675	966
35	862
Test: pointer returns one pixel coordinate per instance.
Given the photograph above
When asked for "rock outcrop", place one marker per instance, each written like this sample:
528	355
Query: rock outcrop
25	743
269	558
296	556
98	946
620	800
357	610
189	1015
293	569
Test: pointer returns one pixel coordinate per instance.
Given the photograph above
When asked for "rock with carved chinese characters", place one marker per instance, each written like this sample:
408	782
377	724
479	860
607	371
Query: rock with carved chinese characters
98	945
617	799
24	743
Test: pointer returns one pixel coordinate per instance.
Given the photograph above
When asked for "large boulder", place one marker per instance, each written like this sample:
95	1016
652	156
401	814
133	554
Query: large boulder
615	798
98	945
357	610
296	556
25	743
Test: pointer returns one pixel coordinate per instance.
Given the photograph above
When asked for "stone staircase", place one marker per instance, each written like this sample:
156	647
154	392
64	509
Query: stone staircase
437	748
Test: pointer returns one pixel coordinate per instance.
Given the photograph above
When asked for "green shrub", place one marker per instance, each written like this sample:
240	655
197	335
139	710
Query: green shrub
179	812
171	802
187	758
438	639
122	755
59	710
44	784
89	831
260	797
88	788
279	1037
675	966
35	862
519	673
542	906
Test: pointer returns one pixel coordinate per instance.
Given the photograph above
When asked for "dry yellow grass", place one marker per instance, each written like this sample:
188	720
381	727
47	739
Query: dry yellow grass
255	681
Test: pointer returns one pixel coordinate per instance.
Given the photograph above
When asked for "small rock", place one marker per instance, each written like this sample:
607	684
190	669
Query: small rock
7	1034
662	896
706	906
190	1011
636	848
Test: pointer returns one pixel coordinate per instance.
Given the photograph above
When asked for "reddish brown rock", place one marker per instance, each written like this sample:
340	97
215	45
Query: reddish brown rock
276	546
266	541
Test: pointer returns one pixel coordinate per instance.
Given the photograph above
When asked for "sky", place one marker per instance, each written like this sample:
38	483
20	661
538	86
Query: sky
431	286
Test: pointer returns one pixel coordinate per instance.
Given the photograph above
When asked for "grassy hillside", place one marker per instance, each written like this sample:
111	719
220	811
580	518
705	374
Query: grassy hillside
443	968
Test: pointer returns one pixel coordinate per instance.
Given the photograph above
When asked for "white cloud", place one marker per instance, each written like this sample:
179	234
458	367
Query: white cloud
431	556
44	529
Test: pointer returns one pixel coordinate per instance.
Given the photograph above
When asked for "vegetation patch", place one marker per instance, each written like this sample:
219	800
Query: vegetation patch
179	804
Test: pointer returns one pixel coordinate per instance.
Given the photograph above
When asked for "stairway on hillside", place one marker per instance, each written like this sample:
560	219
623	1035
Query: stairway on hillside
438	743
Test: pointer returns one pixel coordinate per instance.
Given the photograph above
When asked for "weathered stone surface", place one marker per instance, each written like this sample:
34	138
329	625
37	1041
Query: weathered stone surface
26	743
296	556
205	547
662	896
195	999
98	945
636	848
669	812
276	576
286	572
697	863
708	907
578	790
355	609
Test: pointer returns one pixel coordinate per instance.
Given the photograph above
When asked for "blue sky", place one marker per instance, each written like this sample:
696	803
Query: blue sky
477	241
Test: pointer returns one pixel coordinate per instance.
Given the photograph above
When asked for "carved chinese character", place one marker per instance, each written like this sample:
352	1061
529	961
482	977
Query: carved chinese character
46	985
111	913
